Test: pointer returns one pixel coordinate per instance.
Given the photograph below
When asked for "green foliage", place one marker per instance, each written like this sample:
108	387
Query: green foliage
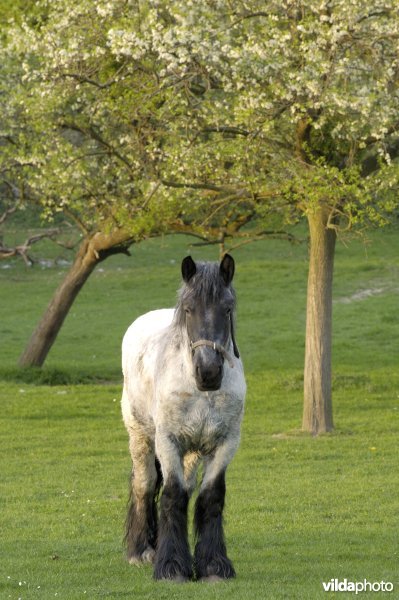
158	114
282	92
16	9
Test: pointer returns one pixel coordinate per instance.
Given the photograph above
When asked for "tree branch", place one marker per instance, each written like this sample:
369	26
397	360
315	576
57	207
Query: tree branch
226	129
8	212
371	163
375	13
82	79
266	234
195	186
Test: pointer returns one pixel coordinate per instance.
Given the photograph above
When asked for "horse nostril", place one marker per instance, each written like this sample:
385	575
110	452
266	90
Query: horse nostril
209	373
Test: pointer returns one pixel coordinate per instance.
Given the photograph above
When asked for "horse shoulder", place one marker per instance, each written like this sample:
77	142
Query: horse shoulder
139	358
234	380
138	337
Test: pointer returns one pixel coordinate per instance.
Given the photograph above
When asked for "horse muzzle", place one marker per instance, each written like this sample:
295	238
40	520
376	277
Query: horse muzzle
208	380
208	365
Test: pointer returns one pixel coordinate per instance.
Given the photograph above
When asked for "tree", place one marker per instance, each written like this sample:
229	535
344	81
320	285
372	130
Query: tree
295	103
204	116
63	142
89	129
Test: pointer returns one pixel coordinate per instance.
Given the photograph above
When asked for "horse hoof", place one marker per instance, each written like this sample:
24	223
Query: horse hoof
148	555
145	557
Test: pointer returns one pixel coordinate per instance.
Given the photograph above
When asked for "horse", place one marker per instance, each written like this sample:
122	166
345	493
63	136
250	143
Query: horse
182	405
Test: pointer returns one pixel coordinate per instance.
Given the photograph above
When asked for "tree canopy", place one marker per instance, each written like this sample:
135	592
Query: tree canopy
100	133
294	101
157	112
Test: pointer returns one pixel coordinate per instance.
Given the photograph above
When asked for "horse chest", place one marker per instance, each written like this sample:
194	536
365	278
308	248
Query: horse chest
200	422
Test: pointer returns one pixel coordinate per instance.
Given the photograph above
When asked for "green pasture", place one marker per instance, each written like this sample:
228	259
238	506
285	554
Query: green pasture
300	510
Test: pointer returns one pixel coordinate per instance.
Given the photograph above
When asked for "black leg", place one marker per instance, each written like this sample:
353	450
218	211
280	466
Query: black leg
210	558
172	559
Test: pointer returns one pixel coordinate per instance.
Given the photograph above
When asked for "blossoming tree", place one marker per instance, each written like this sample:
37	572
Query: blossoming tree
88	129
294	102
217	113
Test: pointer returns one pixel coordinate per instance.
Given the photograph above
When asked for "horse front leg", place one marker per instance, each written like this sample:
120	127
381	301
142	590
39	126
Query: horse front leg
141	521
210	557
172	559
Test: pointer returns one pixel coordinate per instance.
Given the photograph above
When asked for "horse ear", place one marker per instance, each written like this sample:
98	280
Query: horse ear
227	268
188	268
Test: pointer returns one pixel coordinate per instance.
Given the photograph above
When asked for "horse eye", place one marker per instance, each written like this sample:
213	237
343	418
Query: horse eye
228	311
187	310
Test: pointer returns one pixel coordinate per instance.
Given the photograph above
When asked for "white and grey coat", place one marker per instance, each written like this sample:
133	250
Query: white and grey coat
182	403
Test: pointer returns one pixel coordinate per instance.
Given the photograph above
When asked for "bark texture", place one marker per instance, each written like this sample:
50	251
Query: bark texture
93	250
317	413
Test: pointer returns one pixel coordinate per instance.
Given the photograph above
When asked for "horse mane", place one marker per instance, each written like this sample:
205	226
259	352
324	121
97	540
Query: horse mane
206	286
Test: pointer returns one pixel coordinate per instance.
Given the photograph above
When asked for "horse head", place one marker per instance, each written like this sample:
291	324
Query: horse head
208	304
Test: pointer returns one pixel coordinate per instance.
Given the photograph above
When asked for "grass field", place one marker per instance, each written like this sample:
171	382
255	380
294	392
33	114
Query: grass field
300	510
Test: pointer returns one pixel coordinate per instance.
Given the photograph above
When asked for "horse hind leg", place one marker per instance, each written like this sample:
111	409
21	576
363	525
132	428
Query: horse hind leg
142	520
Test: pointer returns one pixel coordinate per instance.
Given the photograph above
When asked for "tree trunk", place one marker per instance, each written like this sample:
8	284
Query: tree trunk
317	412
93	250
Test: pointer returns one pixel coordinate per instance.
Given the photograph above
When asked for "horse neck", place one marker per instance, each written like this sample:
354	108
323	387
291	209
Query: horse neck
178	332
